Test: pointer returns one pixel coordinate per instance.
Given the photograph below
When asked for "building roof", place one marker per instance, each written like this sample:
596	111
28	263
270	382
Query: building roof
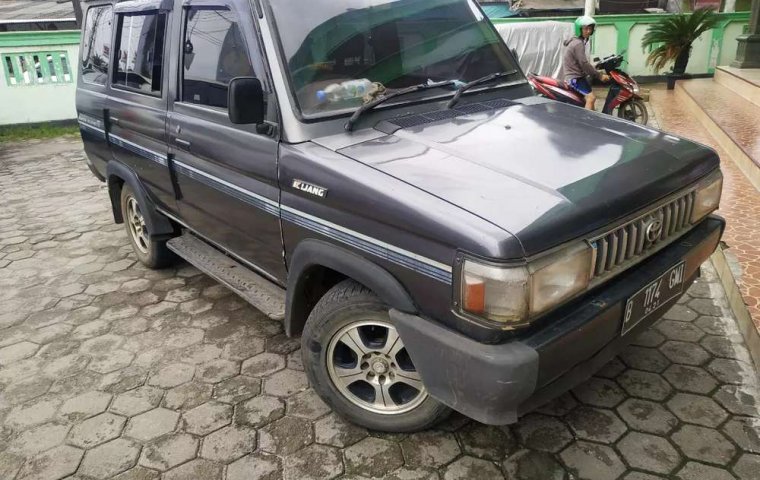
35	10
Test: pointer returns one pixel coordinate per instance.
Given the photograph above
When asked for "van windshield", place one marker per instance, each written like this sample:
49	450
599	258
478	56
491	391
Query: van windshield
383	44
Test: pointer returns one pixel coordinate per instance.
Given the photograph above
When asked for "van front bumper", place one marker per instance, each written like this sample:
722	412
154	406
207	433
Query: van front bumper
495	384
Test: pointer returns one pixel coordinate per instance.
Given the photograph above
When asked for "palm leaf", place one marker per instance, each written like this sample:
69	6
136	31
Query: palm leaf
671	35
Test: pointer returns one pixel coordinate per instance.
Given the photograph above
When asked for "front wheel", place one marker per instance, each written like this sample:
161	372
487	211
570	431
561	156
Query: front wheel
357	362
634	110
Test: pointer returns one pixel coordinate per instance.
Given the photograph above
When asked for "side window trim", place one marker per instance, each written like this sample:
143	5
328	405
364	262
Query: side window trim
119	18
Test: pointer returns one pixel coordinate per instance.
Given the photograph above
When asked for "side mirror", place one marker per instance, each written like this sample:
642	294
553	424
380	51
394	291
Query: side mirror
596	59
245	101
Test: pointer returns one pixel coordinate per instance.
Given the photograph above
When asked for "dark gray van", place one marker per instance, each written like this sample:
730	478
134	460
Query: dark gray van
379	176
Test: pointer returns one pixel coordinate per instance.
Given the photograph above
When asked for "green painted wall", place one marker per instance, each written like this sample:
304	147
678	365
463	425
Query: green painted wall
623	33
33	97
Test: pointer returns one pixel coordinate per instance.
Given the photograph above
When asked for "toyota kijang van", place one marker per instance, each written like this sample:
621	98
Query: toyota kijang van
379	176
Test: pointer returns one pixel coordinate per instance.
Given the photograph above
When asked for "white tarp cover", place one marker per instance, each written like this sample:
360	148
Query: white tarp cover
538	44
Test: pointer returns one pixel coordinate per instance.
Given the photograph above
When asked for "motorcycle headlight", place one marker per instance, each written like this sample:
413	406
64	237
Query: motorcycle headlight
707	198
511	296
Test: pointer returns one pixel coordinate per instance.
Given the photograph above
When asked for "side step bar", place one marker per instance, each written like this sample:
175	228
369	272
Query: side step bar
255	289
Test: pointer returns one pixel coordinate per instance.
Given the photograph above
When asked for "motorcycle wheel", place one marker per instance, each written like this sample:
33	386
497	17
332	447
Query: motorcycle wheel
634	110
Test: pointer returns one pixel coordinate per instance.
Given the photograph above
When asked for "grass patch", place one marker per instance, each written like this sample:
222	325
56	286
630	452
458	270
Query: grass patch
14	133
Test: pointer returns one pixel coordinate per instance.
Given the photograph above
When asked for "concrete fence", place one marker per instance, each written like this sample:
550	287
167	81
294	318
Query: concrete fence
38	76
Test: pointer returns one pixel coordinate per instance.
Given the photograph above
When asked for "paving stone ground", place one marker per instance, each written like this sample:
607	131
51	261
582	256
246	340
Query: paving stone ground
110	370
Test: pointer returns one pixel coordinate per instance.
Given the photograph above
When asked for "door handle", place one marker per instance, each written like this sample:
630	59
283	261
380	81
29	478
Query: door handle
114	120
182	142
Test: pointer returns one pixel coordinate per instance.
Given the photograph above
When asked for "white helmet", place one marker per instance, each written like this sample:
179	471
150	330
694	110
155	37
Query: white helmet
581	22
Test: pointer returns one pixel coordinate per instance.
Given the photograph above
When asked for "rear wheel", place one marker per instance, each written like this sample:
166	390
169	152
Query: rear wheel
151	252
634	110
357	362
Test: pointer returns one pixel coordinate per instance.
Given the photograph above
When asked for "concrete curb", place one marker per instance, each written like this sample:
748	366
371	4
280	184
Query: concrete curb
736	304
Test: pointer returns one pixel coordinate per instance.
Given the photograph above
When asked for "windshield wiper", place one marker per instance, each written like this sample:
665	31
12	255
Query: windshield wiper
372	104
488	78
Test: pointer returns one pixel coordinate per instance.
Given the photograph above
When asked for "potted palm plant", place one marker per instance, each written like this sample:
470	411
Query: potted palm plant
671	38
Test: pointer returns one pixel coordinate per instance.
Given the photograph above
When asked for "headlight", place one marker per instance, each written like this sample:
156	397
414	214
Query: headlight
496	293
706	199
563	276
512	296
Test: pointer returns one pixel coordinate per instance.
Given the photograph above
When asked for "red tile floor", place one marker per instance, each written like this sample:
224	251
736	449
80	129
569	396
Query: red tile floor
741	201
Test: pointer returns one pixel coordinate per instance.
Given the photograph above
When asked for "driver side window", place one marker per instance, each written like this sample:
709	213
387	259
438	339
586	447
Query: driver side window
214	52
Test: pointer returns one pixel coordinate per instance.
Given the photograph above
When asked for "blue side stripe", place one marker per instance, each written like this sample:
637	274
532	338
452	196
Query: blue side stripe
249	199
374	248
361	244
94	130
297	218
137	149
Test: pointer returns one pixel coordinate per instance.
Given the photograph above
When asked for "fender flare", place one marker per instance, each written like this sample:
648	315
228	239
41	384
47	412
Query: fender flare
312	253
158	225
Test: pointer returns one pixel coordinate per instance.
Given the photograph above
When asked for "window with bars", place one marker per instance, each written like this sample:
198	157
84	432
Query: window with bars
36	68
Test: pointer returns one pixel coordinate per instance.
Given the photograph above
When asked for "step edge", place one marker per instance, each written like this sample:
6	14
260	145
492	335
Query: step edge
739	158
724	79
728	134
722	69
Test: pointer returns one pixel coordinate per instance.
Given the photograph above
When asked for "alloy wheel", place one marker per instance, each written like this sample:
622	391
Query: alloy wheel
137	228
369	364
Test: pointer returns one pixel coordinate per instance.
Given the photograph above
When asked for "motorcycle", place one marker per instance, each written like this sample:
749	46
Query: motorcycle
623	94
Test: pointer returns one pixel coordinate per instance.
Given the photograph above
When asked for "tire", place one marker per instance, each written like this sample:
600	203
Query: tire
634	110
350	311
151	252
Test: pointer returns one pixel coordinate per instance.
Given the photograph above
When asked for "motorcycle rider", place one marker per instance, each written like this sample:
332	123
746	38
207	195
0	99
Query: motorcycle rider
575	64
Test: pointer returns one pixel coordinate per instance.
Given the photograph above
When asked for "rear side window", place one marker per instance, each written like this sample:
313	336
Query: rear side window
140	44
96	45
214	53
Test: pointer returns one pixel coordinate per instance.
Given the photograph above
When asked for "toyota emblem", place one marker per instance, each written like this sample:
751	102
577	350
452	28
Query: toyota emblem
653	230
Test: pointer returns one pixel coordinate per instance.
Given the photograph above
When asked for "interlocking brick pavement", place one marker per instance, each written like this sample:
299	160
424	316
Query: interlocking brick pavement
740	204
110	370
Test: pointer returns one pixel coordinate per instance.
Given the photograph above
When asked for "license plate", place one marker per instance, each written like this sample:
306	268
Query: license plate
650	298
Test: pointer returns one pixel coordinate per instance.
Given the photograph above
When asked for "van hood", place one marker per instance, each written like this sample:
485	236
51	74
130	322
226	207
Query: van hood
544	172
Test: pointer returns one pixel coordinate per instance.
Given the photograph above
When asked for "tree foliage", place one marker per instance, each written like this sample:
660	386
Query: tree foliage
674	34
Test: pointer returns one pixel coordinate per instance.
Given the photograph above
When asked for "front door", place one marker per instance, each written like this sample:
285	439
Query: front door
226	174
136	107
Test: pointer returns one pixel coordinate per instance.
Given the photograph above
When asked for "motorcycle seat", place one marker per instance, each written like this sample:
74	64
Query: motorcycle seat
550	81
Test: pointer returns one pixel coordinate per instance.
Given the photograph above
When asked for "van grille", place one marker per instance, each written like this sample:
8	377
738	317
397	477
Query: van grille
635	239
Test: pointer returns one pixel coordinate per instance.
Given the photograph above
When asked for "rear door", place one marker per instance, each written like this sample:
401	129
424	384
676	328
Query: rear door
136	108
91	95
226	174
